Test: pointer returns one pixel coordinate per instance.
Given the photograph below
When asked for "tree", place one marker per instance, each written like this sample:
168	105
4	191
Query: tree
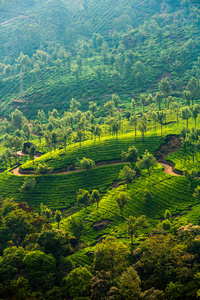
26	130
7	155
127	174
194	89
58	216
76	73
122	199
76	227
100	285
186	114
83	197
28	185
17	119
196	193
77	283
55	242
115	126
4	159
133	105
143	128
131	155
86	163
110	107
92	106
54	139
42	169
95	196
177	106
190	175
116	77
74	105
116	99
41	116
129	285
110	256
143	101
165	89
133	121
32	151
98	131
154	118
194	112
161	117
133	224
158	99
146	162
39	266
80	135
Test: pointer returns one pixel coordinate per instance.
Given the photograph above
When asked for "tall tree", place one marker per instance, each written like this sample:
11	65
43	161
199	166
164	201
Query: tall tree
127	174
190	175
58	216
28	185
42	169
165	89
161	117
83	197
146	162
111	256
158	99
194	112
131	155
95	196
86	163
186	114
133	224
133	122
122	199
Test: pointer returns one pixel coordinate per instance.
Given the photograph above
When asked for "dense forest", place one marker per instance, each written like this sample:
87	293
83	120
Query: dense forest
99	149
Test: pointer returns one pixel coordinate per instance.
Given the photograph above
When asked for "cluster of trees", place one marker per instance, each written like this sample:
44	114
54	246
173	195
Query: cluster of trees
76	126
117	55
35	259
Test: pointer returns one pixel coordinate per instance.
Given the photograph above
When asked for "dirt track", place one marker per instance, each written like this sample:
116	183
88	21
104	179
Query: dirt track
168	169
173	144
16	170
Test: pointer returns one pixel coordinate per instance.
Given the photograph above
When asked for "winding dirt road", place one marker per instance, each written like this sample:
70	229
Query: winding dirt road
173	144
16	171
168	169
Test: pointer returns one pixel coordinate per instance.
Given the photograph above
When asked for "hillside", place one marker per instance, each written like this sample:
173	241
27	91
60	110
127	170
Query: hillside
138	48
99	150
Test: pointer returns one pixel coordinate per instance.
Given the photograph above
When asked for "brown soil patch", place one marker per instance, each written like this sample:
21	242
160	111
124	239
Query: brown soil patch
101	225
173	144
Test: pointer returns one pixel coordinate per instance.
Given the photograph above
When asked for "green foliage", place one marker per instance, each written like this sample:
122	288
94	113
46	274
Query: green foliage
83	197
28	185
131	155
77	282
39	266
122	199
127	174
133	224
111	256
57	217
146	162
129	285
76	227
